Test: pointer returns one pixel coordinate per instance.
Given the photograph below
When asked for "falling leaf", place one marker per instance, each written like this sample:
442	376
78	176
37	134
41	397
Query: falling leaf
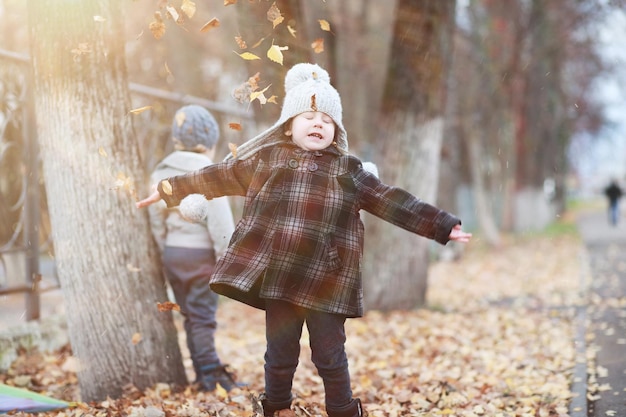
233	149
274	15
157	27
99	19
275	54
242	92
324	25
248	56
102	152
180	118
189	8
213	23
174	14
140	109
136	338
125	183
291	30
235	126
229	2
240	42
258	95
318	45
167	187
259	42
168	306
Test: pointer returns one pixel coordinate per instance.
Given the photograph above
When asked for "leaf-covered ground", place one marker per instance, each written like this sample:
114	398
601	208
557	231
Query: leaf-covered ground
496	340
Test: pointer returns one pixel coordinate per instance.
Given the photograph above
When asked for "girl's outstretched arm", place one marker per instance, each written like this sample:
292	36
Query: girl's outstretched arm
458	235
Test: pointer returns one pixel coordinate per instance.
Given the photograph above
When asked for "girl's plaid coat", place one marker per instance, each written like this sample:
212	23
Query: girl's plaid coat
300	238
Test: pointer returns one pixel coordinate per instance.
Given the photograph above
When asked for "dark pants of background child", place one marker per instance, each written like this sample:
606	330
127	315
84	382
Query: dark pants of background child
327	338
188	271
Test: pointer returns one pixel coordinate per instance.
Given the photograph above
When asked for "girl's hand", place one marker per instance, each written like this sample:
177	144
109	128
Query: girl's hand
151	199
458	235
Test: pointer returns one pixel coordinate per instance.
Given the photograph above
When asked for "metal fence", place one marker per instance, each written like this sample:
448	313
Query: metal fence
26	239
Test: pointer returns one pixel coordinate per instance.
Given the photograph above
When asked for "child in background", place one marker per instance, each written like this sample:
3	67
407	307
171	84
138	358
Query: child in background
296	252
189	250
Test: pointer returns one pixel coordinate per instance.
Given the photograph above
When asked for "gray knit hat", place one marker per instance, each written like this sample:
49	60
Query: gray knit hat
307	88
193	125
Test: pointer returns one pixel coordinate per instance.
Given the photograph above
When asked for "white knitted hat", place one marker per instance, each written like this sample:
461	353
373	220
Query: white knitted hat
307	88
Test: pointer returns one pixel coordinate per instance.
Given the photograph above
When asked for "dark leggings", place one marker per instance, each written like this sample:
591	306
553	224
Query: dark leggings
327	338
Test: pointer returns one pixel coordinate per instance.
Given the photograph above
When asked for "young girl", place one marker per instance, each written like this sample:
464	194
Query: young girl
296	252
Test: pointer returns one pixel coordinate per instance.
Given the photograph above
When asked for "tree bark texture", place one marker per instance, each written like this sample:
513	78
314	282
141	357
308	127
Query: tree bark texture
107	263
411	122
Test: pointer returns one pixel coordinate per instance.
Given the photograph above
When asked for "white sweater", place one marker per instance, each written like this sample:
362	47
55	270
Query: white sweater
169	228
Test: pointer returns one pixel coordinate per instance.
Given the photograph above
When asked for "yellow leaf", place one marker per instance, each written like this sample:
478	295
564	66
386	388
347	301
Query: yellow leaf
102	152
275	54
189	8
273	99
99	19
248	56
235	126
220	392
140	109
233	149
258	95
291	30
318	45
167	187
213	23
136	338
324	25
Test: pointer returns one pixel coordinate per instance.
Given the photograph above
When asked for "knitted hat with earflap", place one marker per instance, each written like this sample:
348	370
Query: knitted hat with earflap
193	125
307	88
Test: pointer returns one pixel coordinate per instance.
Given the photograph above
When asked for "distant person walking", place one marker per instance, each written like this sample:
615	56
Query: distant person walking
613	192
190	249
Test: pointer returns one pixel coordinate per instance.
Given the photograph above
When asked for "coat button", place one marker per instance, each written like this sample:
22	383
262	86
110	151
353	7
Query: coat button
293	163
312	166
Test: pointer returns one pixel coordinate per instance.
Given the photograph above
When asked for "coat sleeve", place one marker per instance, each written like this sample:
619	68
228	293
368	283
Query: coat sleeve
222	179
403	209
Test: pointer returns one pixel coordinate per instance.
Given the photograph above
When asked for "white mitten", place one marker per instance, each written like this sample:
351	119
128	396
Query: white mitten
371	168
194	208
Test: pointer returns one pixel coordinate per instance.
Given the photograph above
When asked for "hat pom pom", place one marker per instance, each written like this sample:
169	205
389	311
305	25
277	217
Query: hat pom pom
301	73
194	208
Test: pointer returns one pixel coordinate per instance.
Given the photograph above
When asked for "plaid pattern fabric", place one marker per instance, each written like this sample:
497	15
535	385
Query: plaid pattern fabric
300	238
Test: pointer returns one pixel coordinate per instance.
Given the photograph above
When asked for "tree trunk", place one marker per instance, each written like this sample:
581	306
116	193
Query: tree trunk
107	263
411	120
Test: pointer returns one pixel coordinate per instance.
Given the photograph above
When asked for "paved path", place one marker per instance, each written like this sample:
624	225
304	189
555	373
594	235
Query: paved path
606	312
